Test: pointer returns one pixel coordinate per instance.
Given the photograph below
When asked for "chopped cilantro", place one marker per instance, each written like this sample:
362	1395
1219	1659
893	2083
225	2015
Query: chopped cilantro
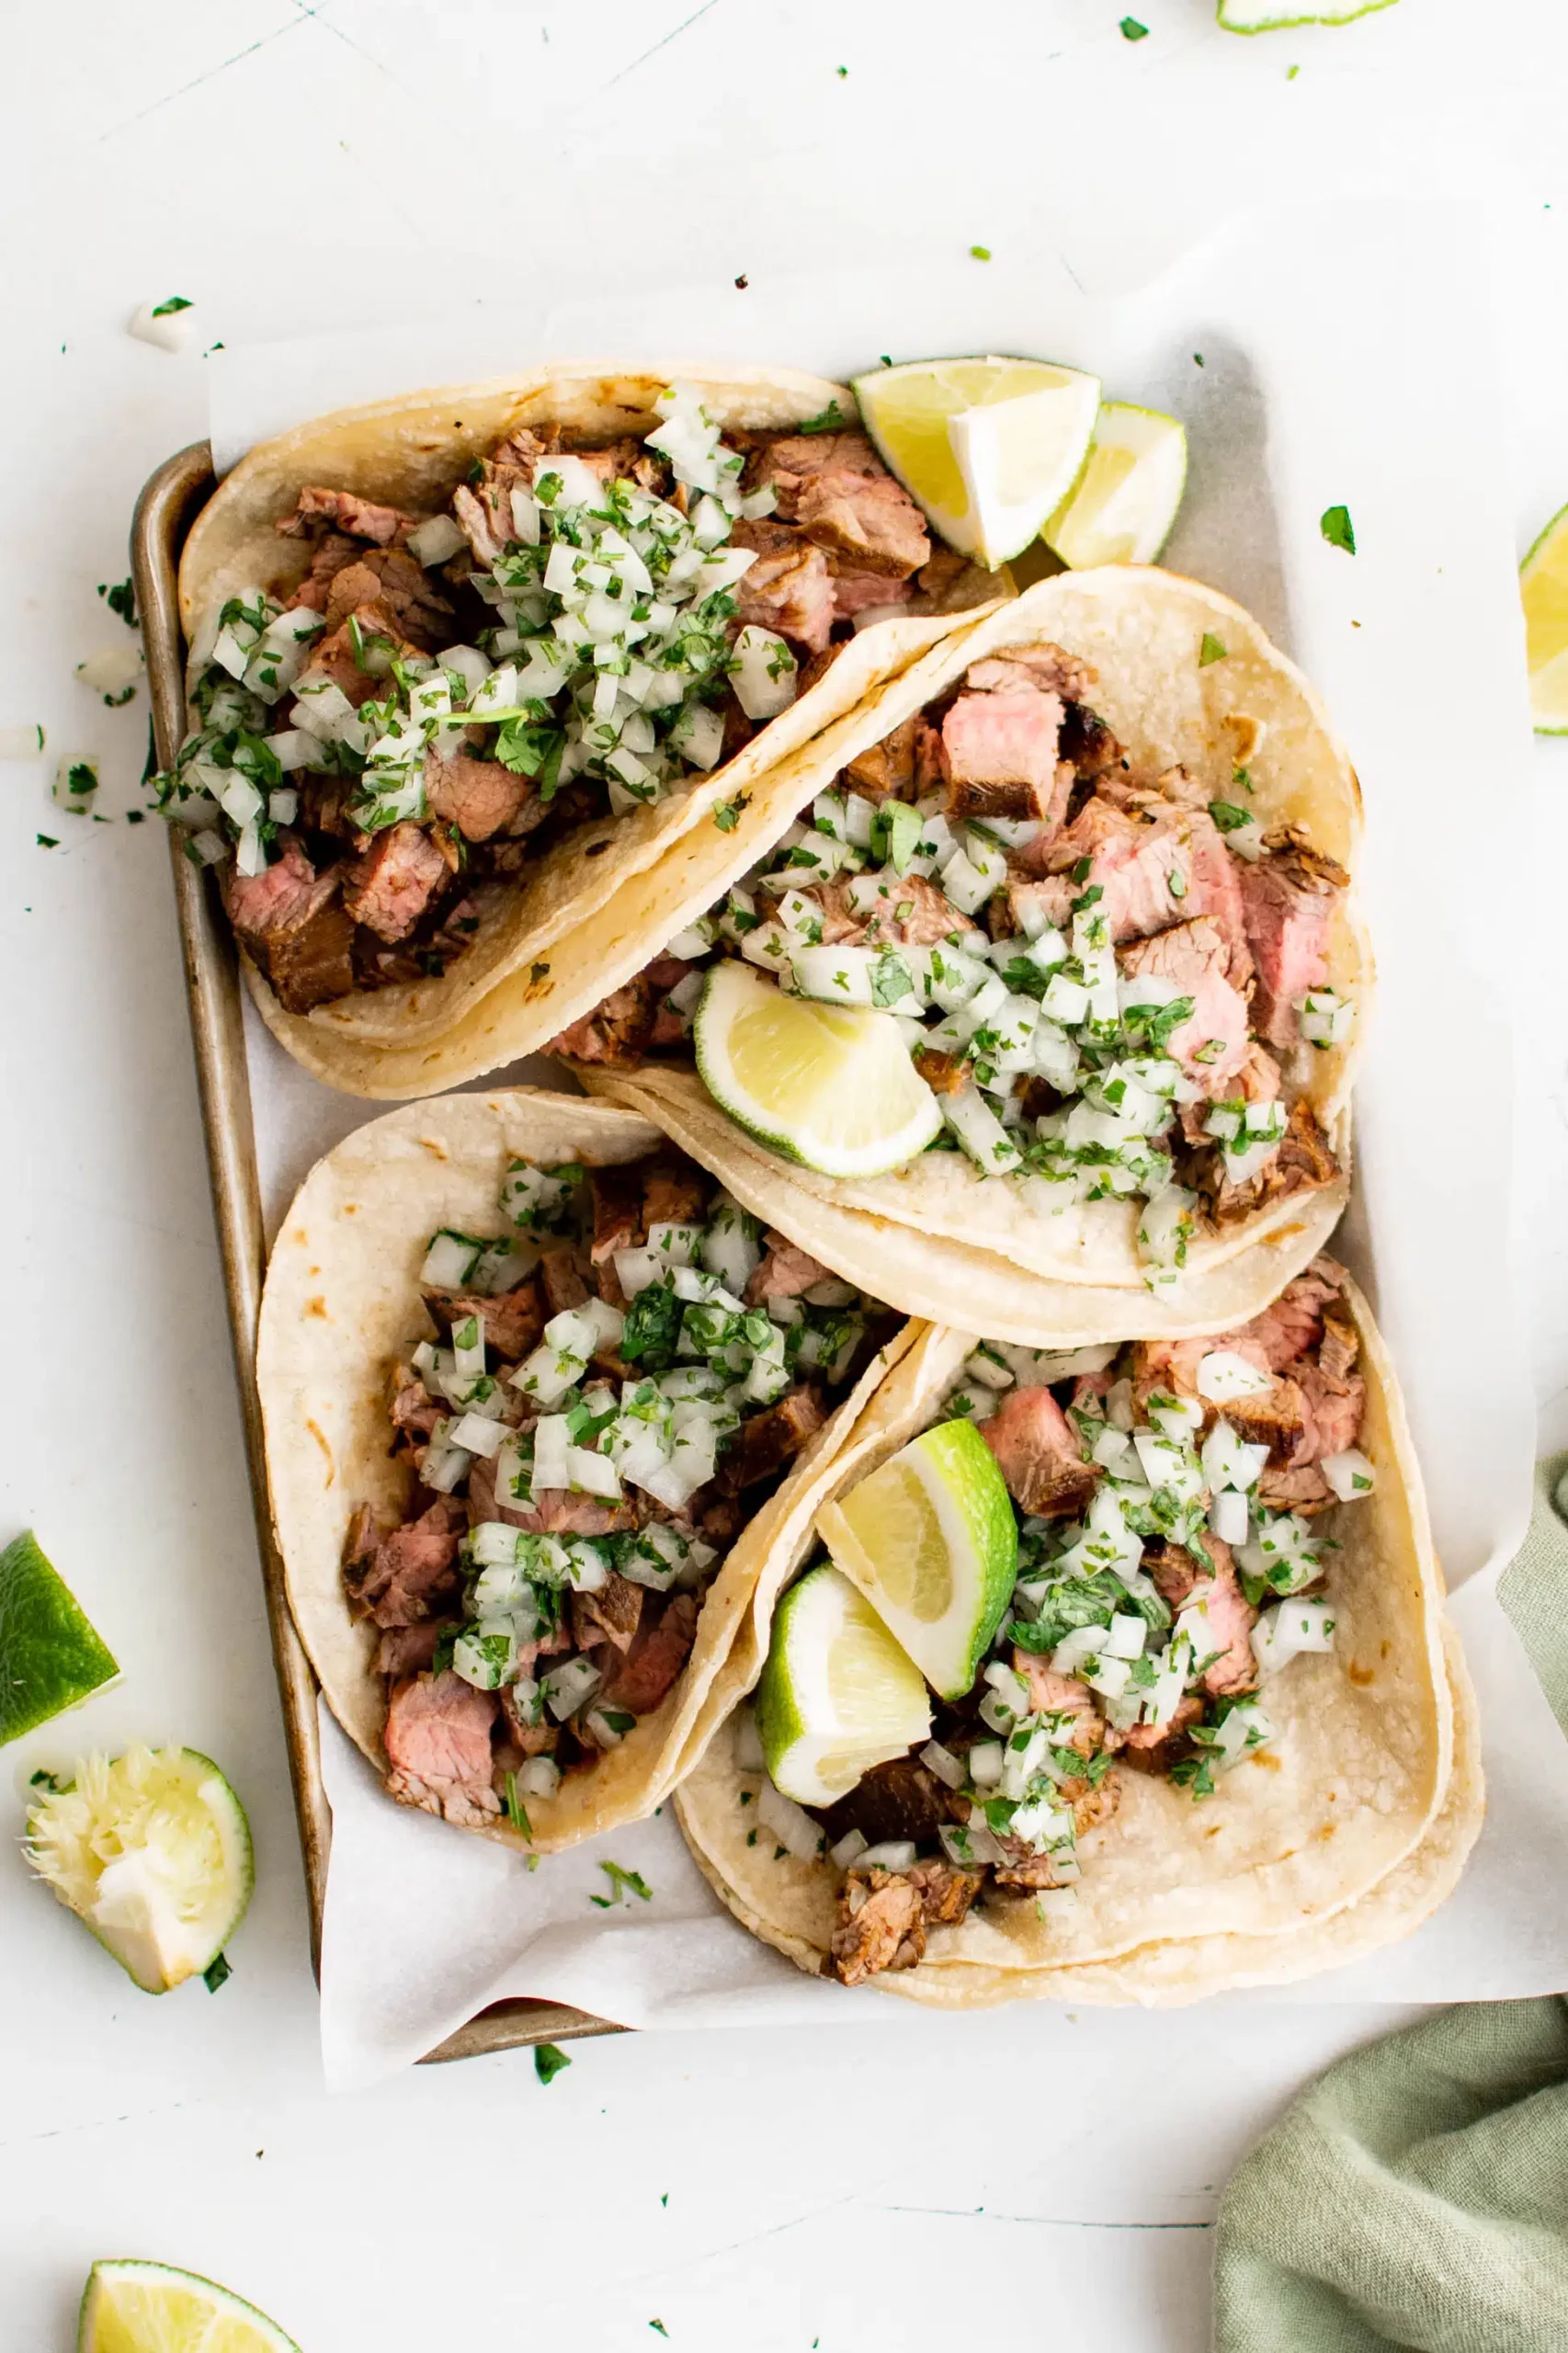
47	841
1244	777
1212	650
653	1328
1227	816
121	595
45	1781
516	1811
980	253
1132	31
217	1972
1337	529
843	72
1197	359
175	302
751	1837
727	815
548	2060
827	420
1194	1773
659	2323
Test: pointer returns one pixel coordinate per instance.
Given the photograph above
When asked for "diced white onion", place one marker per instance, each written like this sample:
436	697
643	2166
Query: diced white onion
791	1826
892	1854
1349	1473
852	1844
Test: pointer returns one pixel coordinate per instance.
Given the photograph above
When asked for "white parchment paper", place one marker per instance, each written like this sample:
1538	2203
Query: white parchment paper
1309	353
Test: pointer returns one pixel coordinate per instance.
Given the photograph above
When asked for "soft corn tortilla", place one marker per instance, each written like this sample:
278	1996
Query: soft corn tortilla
1168	1976
1142	628
1291	1838
412	453
342	1306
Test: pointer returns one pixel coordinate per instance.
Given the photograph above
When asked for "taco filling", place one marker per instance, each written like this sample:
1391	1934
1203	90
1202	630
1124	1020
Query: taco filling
1114	984
1172	1559
615	1383
443	697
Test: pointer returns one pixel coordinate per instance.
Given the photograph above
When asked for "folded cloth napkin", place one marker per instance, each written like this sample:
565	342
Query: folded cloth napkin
1416	2196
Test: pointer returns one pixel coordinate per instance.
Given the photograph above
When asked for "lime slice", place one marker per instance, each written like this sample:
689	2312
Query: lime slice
931	1542
1123	506
153	1852
837	1695
132	2307
1544	583
989	446
830	1085
50	1656
1270	16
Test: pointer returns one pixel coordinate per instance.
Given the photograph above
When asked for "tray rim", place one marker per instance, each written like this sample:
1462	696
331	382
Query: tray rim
167	507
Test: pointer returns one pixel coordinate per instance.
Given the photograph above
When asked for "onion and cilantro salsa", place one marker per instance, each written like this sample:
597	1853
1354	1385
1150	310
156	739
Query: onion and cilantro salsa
1115	985
615	1383
442	698
1172	1561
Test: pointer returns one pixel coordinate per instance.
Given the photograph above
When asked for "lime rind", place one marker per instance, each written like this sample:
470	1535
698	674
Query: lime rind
101	2325
1123	514
829	1646
1543	590
965	1490
51	1656
152	1850
1245	15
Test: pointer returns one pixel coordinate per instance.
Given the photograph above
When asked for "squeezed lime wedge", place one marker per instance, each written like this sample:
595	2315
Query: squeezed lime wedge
837	1695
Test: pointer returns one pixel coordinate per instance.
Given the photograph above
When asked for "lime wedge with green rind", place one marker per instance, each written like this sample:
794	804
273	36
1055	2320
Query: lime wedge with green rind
133	2307
931	1542
153	1851
50	1657
1121	508
1268	17
837	1695
829	1086
988	447
1543	586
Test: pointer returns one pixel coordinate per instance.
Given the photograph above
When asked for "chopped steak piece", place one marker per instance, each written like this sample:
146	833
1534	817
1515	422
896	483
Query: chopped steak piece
674	1192
481	797
1274	1418
482	1499
657	1656
558	1511
332	657
943	1074
1332	1413
289	920
1288	898
1212	1043
320	510
1305	1162
945	1893
513	1319
407	1650
866	592
1304	1490
617	1195
1154	1748
880	1926
906	912
1038	1455
888	769
785	1271
610	1614
1182	1581
768	1441
1001	754
797	458
868	517
481	524
412	1574
951	584
326	807
1042	664
437	1744
412	1406
788	588
1340	1348
1143	866
390	887
902	1798
1087	744
1054	1694
561	1272
930	760
394	584
530	1740
618	1031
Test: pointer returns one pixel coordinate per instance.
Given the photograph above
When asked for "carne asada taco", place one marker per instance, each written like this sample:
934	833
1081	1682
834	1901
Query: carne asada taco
1065	967
463	662
1157	1642
541	1403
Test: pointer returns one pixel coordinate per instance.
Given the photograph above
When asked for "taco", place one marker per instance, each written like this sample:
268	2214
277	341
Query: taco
540	1404
463	662
1205	1710
1094	874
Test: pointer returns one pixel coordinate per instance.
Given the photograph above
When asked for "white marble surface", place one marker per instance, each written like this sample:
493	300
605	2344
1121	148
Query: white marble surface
290	167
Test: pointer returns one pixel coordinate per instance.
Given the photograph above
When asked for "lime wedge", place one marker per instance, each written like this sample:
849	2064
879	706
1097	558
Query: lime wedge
989	446
153	1851
1123	506
132	2307
931	1542
830	1085
1543	584
50	1656
837	1695
1270	16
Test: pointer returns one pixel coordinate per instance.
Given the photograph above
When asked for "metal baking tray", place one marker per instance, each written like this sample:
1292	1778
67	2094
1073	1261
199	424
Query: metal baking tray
167	507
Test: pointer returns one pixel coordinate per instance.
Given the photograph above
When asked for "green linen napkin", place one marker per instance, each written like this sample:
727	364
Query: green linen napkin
1417	2195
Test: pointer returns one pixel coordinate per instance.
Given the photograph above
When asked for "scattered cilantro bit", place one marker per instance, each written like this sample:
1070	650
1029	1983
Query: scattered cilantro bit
1132	31
47	841
45	1781
217	1972
1212	650
727	815
125	694
1291	72
632	1883
1197	359
827	420
548	2060
980	253
664	2196
1244	777
660	2326
1194	1773
843	72
120	596
1227	816
1337	529
175	302
602	1902
653	1328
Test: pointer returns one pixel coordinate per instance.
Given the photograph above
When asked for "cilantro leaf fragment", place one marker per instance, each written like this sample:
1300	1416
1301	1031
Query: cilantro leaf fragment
1212	650
120	596
217	1972
1227	816
660	2326
175	302
827	420
653	1328
47	841
1132	31
1337	529
45	1781
548	2060
727	815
